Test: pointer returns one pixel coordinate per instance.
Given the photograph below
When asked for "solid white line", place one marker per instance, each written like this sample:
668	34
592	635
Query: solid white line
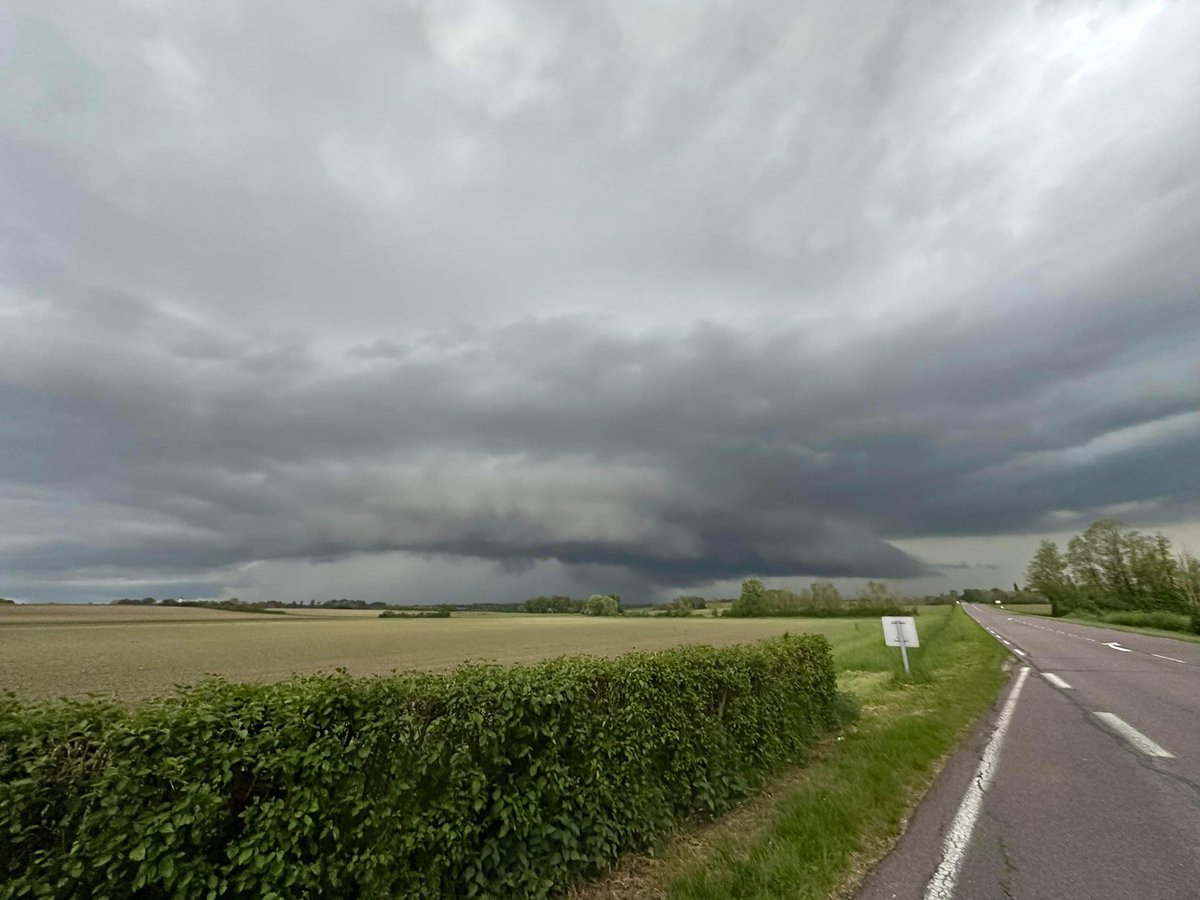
1139	741
1171	658
1056	681
941	885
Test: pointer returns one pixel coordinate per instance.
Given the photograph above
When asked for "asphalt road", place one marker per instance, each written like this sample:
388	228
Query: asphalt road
1085	785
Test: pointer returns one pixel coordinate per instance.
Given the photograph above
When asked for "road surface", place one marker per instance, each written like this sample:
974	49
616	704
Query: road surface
1084	783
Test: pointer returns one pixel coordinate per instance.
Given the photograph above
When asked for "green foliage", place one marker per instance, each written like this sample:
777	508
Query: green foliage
440	612
1110	567
1158	618
555	604
817	830
489	782
601	605
681	607
5	602
752	601
822	600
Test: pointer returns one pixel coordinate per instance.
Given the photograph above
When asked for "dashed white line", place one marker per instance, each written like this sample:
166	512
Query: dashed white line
1171	658
941	886
1132	736
1018	650
1056	681
1117	646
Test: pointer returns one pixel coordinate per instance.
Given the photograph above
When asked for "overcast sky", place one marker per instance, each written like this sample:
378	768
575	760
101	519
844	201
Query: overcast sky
471	301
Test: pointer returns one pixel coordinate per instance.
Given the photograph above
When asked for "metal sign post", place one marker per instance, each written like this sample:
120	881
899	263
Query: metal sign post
901	631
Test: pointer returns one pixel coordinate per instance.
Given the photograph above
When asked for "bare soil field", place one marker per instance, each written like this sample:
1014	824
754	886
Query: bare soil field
136	652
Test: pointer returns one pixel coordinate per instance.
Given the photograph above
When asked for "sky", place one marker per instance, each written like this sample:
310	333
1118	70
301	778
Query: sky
453	302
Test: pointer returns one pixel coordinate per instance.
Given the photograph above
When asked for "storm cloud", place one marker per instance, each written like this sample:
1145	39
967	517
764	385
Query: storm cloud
610	295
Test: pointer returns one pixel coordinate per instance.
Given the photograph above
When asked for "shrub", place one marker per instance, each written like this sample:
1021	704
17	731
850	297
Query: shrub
440	612
1161	619
489	782
601	605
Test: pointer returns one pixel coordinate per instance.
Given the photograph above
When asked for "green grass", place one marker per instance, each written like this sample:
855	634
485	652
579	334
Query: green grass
1153	622
1134	629
1031	609
818	828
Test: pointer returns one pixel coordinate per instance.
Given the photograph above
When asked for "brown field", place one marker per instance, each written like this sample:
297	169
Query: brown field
136	652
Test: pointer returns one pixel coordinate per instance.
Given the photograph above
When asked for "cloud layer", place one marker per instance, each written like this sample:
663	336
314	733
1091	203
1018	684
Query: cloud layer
648	298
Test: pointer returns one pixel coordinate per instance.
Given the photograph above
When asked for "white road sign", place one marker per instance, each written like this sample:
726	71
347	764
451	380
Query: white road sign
900	631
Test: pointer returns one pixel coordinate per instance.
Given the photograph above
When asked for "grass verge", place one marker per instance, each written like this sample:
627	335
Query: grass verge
818	829
1135	622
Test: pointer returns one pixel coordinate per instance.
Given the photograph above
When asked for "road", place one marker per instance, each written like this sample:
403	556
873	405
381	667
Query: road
1084	783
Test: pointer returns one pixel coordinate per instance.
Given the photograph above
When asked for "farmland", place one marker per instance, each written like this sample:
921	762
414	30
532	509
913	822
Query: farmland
138	652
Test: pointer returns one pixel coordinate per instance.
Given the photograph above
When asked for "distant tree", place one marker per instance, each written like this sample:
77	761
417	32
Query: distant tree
752	601
1189	580
680	607
878	593
825	595
6	602
558	603
1047	574
601	605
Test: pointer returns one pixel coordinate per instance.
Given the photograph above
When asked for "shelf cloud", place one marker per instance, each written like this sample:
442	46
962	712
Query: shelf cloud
474	300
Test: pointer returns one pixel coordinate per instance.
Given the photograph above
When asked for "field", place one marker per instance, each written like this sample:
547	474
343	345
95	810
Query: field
809	834
137	652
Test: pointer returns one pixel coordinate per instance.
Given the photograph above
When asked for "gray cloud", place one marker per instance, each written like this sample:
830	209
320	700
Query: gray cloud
605	295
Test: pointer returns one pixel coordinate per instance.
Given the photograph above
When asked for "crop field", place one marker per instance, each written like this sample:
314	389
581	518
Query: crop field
137	652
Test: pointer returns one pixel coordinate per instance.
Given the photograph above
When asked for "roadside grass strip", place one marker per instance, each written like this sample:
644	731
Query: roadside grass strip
816	831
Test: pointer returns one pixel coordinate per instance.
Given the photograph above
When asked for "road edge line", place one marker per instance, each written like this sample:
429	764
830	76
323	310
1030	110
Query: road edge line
941	885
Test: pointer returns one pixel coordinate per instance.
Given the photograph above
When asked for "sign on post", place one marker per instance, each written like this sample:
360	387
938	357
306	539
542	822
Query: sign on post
900	631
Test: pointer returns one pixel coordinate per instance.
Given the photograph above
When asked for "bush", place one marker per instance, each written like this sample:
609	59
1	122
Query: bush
601	605
1160	619
489	782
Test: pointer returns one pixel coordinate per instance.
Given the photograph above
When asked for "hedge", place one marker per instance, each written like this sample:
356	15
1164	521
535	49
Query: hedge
488	782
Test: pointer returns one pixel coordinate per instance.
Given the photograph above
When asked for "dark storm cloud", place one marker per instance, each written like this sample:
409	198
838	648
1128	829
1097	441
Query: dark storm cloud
657	296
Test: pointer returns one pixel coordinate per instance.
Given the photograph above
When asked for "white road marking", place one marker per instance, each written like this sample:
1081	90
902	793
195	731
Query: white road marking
941	885
1018	650
1117	646
1171	658
1135	738
1056	681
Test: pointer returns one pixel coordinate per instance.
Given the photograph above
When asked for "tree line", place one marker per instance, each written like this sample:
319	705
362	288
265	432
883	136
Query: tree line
822	599
1113	568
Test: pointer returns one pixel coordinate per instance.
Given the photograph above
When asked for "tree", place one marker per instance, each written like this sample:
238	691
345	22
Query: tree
680	607
601	605
826	595
878	593
1047	574
752	601
1189	580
